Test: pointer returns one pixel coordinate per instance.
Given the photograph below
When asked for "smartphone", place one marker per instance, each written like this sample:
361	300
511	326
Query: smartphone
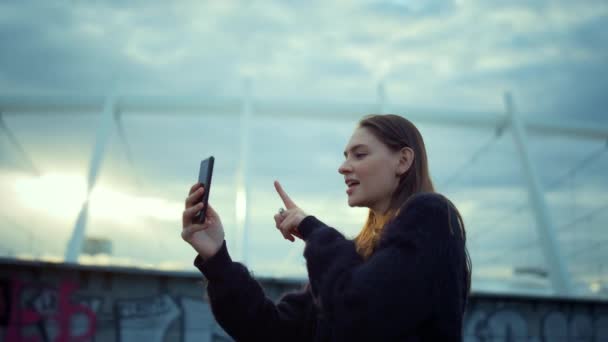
204	177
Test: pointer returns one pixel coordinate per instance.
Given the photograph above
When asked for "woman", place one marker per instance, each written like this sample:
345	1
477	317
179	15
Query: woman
406	276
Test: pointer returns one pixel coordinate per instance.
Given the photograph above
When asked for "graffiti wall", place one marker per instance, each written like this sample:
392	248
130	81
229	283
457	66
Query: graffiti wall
54	302
494	318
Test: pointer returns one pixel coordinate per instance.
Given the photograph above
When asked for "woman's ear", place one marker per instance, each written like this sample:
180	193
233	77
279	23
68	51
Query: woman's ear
406	159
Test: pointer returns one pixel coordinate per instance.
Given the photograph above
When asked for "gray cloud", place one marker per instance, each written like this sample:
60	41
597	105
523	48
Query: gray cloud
295	50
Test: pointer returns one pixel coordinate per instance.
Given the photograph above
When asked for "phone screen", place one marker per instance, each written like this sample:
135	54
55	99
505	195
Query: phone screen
204	177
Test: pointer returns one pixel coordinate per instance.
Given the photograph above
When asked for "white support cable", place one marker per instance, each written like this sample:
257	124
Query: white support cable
294	252
498	131
17	146
500	254
16	227
469	162
122	136
585	162
587	216
594	247
581	165
496	224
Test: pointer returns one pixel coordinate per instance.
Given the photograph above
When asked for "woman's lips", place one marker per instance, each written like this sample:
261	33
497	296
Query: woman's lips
350	189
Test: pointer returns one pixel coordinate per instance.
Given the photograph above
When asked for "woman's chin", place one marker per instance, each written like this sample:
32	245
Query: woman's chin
353	202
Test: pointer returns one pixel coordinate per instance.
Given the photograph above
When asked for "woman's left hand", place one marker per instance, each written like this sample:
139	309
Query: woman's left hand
288	220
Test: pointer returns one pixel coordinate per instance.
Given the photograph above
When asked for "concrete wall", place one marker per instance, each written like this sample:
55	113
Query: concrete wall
57	302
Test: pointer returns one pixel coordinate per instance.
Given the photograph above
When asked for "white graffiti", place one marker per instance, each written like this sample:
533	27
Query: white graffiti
145	319
523	322
198	321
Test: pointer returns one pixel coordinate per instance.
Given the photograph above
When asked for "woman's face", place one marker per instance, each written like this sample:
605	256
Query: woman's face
371	171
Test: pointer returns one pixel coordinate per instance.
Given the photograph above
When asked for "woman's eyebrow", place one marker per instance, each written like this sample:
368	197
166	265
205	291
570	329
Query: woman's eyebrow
353	148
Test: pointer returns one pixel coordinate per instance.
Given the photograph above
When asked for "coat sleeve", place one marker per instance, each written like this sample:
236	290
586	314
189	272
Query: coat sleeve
242	309
391	293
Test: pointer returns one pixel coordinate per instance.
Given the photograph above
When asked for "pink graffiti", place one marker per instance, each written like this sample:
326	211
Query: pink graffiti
64	313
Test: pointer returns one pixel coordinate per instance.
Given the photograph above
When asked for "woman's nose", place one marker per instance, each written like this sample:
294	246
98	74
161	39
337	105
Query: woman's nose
344	168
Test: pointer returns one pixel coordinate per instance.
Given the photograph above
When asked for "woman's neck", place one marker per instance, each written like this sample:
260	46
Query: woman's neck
379	209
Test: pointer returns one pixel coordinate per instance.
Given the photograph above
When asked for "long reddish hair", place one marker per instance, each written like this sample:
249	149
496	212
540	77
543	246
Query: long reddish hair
395	132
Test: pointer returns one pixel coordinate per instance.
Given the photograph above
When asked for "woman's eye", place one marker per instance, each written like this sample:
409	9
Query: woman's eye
360	155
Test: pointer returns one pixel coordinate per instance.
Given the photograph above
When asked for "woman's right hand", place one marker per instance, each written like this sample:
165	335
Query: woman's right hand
206	238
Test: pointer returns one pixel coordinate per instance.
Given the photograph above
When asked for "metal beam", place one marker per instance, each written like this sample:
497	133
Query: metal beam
127	148
544	224
88	104
74	246
382	100
243	191
150	105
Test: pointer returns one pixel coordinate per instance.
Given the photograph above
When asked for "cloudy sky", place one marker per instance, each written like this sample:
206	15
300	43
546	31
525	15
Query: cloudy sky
447	57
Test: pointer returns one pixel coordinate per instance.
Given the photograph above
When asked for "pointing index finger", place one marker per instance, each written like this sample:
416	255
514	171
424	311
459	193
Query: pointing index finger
286	200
